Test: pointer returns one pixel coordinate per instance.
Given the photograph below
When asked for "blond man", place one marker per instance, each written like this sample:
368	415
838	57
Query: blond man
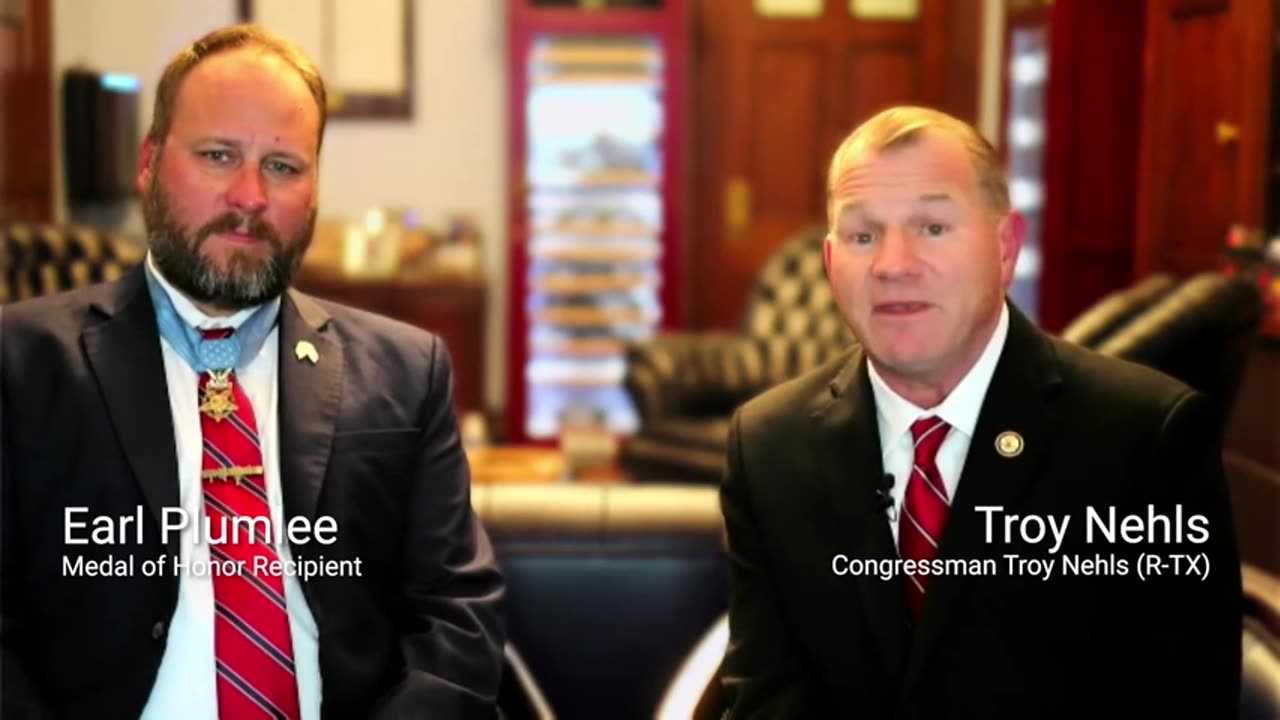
918	529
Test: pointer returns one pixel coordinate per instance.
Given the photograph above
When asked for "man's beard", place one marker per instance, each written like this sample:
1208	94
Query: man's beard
247	281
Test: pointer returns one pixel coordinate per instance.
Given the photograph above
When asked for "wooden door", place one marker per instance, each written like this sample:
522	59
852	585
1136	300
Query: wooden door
26	111
773	98
1204	140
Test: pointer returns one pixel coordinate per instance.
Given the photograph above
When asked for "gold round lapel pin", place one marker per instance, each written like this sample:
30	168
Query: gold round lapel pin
1009	444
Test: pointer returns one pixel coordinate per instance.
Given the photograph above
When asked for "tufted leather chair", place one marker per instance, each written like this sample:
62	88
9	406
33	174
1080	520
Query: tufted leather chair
609	588
686	385
1115	310
41	259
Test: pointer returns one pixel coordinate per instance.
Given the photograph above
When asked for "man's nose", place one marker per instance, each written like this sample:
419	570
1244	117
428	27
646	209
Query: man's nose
895	255
247	192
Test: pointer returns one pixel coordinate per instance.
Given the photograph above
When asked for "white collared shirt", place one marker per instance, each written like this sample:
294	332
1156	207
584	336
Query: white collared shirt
895	414
186	685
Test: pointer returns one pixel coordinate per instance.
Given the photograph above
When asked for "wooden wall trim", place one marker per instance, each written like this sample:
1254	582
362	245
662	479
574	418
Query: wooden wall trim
1255	499
964	58
26	115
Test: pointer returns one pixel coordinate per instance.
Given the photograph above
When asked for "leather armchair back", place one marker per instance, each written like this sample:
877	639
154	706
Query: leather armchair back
1102	319
1201	333
791	299
41	259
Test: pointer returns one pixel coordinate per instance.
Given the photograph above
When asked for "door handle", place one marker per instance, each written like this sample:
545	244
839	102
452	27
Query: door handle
1226	133
737	209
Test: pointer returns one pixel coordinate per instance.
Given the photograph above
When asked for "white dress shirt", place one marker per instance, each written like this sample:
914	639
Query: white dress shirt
895	414
186	685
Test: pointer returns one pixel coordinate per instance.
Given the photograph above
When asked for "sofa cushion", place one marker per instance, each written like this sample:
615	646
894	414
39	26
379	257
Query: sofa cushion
609	586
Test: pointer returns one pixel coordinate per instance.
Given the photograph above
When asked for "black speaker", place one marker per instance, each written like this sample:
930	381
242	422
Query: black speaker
100	136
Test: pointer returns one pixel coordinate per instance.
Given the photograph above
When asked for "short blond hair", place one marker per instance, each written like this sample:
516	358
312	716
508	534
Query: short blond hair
900	126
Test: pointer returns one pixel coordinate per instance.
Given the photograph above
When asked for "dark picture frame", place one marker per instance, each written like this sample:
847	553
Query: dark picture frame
362	104
13	12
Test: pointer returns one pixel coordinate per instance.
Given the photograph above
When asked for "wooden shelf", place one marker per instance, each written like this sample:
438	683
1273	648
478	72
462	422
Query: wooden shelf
589	229
587	347
591	316
596	254
602	179
590	284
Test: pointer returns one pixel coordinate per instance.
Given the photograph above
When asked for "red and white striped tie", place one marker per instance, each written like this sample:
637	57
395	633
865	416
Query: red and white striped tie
252	642
925	509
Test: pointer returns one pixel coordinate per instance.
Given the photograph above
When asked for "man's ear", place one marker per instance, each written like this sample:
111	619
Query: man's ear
1011	233
147	156
826	253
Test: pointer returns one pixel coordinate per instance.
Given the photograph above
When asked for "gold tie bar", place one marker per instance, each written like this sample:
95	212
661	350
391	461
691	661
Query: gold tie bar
237	473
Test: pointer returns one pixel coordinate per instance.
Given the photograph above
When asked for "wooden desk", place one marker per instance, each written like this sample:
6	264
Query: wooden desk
453	308
1252	458
533	465
515	464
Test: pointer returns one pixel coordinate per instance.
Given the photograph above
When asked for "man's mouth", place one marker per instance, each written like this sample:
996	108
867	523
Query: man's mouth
908	307
241	237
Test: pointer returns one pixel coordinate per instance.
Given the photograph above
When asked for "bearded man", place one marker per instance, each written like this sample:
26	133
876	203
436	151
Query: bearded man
223	498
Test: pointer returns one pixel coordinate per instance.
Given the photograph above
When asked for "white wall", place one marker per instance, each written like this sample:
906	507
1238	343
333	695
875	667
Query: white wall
449	158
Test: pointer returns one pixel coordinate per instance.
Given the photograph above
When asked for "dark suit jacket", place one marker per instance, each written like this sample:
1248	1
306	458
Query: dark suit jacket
804	467
368	437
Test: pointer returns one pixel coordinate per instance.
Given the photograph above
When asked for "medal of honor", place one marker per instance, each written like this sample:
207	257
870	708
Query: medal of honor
217	401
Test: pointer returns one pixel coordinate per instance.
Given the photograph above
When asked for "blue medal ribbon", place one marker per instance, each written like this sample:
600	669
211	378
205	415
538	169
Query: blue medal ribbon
230	353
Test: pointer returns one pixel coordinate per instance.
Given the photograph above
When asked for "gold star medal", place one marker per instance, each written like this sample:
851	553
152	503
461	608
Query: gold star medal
217	401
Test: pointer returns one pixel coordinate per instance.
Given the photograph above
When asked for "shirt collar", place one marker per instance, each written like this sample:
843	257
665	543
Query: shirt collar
194	316
959	408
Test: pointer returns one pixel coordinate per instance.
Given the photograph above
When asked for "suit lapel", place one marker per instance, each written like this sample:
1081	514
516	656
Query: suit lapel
310	397
124	356
1017	400
849	440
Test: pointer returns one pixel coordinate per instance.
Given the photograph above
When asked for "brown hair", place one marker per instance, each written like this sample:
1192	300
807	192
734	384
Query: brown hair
224	39
901	126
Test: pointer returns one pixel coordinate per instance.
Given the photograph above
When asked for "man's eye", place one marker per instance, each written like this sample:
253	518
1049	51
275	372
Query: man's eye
934	229
278	167
859	238
217	156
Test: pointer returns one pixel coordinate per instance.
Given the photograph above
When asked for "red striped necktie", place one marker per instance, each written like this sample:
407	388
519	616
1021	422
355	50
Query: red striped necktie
925	509
252	642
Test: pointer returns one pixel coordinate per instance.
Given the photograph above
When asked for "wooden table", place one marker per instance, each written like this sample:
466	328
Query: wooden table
532	464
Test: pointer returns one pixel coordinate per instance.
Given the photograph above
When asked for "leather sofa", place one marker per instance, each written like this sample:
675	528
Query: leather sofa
1116	309
609	587
686	385
40	259
1200	332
